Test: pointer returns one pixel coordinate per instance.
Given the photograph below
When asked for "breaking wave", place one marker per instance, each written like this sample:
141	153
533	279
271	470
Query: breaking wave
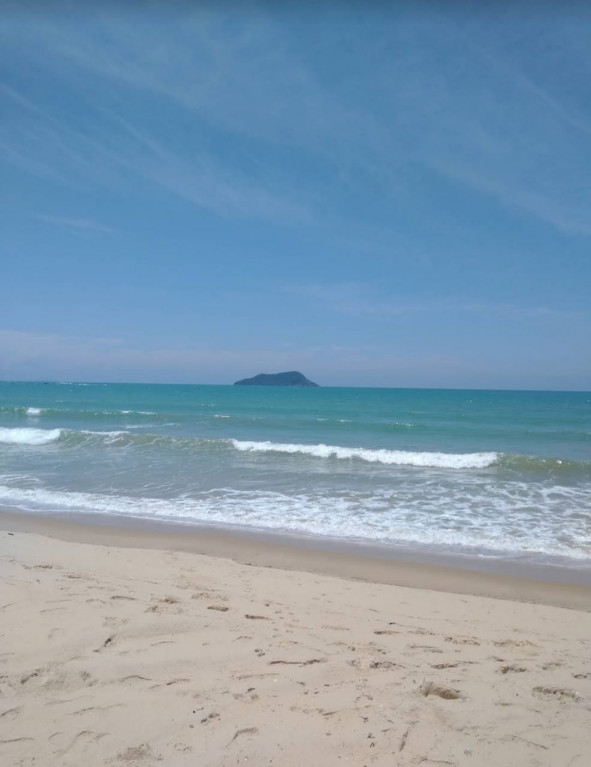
389	457
513	465
26	436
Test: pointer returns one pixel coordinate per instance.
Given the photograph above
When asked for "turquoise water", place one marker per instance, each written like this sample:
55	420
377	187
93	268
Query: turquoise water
491	473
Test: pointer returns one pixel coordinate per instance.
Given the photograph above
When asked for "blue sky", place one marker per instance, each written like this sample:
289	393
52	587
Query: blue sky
375	194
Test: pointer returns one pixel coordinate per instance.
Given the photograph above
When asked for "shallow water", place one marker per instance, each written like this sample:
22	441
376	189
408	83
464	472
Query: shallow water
485	472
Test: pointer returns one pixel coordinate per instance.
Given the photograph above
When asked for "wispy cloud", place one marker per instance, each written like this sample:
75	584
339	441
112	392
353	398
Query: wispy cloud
364	299
18	99
257	105
356	298
514	311
86	224
199	178
551	205
96	143
115	148
507	136
526	84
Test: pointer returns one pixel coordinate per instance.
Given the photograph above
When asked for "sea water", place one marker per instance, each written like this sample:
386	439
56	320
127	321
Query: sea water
485	473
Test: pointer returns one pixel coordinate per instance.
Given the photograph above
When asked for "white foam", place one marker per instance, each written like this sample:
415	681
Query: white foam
109	437
33	411
390	457
118	433
28	436
501	529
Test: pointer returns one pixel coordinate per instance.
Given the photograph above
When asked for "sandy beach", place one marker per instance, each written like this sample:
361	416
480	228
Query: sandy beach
114	655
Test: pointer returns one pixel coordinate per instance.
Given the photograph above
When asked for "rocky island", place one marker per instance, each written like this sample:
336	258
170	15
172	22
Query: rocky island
291	378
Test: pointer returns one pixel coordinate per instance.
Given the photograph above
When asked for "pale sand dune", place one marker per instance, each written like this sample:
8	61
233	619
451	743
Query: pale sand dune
112	656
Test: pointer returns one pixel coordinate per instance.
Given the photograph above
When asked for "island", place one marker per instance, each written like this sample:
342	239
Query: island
291	378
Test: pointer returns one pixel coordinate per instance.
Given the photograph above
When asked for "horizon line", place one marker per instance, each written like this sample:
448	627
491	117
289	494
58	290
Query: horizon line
44	381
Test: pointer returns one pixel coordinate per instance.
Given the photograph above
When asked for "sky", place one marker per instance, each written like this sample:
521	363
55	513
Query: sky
375	194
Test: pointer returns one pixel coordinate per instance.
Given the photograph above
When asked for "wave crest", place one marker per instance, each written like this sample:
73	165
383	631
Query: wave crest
389	457
28	436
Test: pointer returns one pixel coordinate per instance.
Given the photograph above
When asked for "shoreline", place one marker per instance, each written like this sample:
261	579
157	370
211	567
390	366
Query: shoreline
505	579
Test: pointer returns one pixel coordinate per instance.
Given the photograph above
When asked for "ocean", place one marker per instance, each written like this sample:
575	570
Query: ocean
497	474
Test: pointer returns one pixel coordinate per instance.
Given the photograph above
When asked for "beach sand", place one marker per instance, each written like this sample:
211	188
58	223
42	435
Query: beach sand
114	655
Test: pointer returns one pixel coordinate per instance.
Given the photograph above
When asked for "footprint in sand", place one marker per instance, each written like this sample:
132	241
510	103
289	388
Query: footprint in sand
309	662
210	717
209	595
425	648
15	740
510	643
11	714
462	640
31	675
245	731
85	738
136	754
133	679
384	664
107	643
62	680
164	605
429	688
248	697
556	693
511	670
91	709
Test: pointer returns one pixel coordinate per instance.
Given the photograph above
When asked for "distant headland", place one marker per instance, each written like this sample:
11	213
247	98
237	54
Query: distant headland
292	378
